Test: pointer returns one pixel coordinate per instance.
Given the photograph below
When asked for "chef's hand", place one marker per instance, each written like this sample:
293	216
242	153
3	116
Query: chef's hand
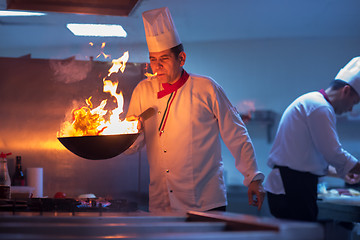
352	178
256	190
148	113
140	125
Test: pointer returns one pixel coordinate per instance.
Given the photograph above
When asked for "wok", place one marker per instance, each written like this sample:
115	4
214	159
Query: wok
100	147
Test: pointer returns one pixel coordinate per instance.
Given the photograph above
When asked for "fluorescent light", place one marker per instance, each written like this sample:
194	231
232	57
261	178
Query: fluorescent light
97	30
19	14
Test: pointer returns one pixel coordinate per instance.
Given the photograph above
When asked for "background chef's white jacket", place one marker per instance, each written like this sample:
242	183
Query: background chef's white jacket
186	168
307	141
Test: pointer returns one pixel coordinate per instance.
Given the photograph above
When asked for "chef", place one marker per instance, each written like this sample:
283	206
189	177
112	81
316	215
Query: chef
306	146
183	138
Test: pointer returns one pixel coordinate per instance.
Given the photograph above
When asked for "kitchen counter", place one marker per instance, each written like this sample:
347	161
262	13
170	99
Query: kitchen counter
338	212
340	220
144	225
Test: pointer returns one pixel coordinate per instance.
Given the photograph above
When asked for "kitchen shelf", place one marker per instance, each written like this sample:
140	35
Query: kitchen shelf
266	117
347	120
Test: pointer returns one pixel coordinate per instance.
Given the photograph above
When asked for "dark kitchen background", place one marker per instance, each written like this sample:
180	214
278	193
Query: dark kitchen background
263	53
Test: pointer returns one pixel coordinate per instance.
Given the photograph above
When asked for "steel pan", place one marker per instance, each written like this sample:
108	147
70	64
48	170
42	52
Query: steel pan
99	147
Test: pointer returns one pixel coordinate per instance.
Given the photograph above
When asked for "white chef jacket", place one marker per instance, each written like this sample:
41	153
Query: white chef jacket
186	167
307	141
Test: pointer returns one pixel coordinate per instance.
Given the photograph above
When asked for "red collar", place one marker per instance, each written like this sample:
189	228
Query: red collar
322	91
169	88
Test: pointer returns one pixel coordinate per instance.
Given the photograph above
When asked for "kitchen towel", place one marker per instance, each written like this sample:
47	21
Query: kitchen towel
35	179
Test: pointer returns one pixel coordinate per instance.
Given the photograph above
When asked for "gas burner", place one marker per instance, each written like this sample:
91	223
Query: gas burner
52	204
67	205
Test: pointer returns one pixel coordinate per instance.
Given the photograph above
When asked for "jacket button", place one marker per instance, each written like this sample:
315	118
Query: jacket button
164	151
171	190
162	131
159	112
167	171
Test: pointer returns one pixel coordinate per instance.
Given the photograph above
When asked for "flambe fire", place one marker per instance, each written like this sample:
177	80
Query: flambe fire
90	120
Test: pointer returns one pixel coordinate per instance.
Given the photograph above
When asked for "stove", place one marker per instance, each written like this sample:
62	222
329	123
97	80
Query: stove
39	206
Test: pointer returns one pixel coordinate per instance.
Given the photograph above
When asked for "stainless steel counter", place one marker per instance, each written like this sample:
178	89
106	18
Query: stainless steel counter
338	212
143	225
340	221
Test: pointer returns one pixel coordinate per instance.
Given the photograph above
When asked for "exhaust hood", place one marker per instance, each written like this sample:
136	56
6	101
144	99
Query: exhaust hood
96	7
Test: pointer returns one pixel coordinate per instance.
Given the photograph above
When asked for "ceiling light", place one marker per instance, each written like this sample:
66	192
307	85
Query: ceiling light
97	30
19	14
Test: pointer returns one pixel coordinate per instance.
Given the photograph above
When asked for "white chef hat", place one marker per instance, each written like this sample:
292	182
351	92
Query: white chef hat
160	30
351	74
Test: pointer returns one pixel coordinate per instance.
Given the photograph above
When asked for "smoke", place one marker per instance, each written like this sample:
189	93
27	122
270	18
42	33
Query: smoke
70	70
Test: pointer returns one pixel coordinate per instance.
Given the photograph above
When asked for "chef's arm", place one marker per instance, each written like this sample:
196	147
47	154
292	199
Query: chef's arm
322	124
139	142
148	113
352	177
356	168
235	136
258	177
332	172
140	120
256	192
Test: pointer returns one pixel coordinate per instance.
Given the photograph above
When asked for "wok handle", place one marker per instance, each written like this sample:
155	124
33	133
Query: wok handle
148	113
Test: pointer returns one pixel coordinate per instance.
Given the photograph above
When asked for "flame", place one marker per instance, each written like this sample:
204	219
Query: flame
147	74
105	55
88	120
150	75
119	64
102	52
